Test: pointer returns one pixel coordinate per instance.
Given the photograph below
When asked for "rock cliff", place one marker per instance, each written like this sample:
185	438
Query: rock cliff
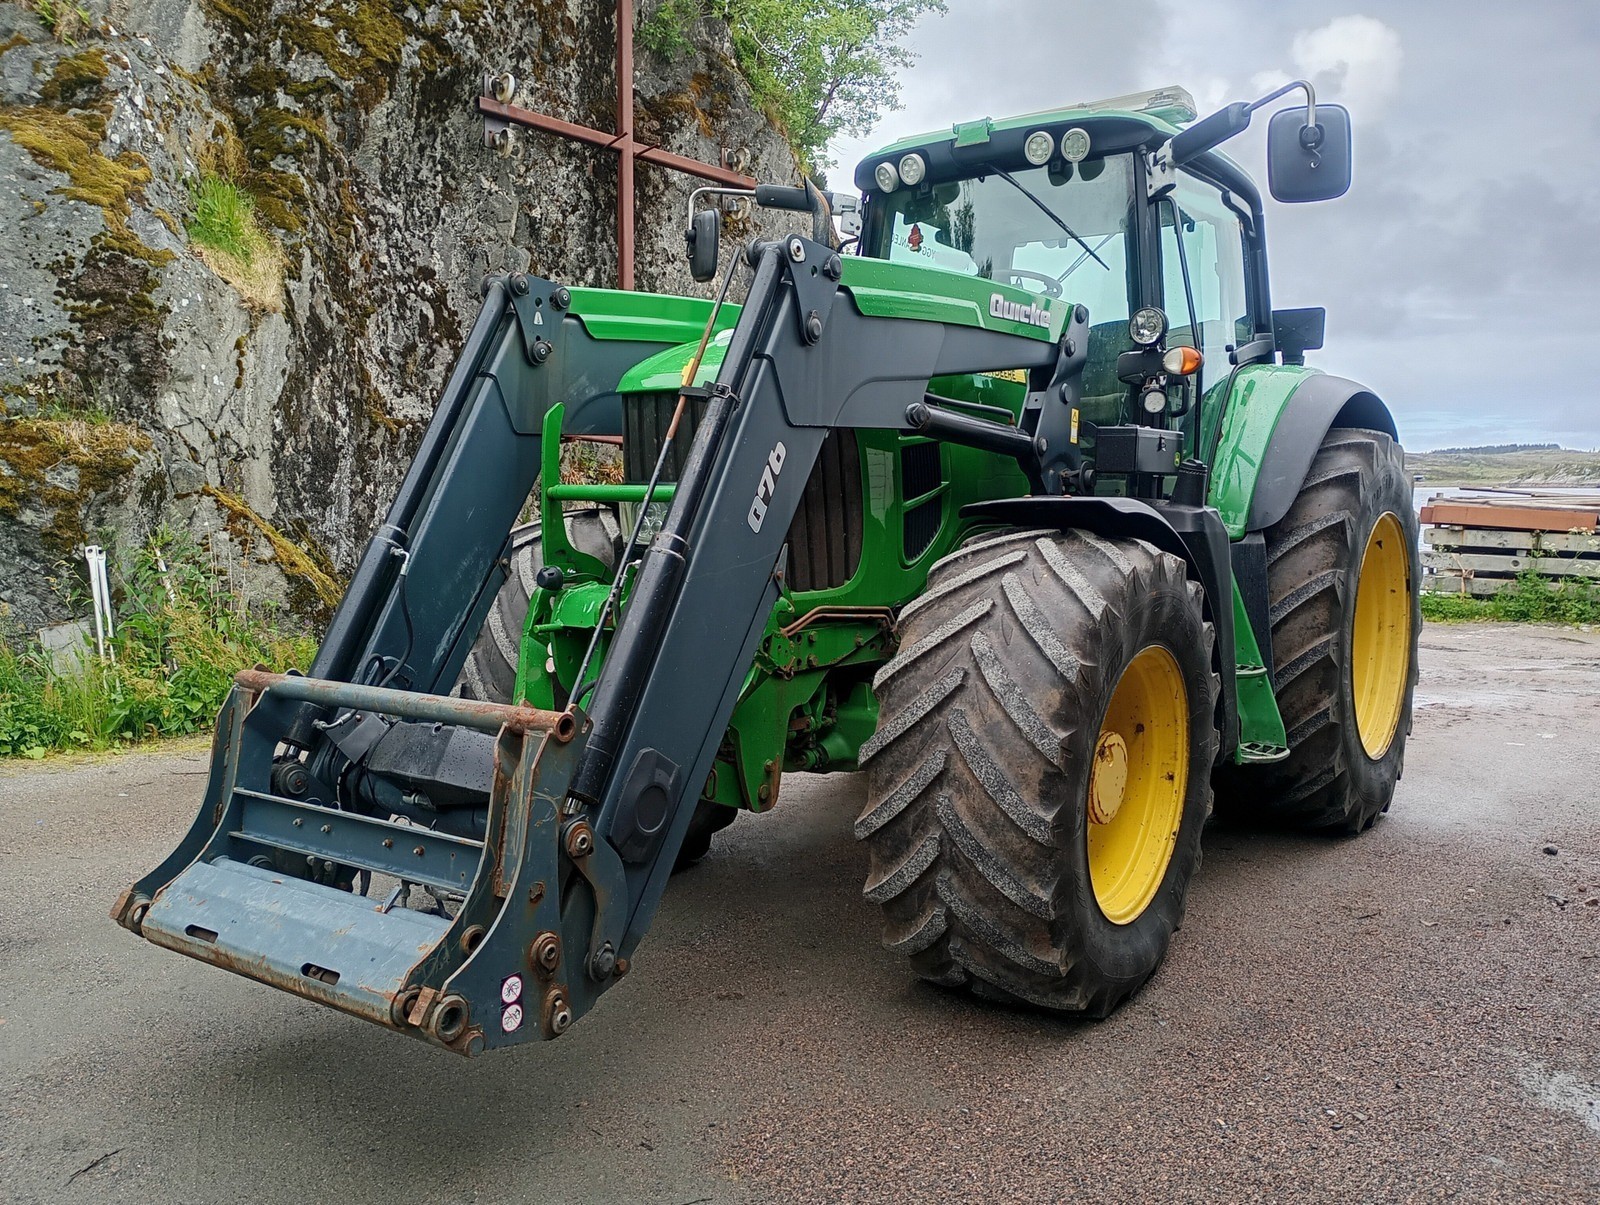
268	403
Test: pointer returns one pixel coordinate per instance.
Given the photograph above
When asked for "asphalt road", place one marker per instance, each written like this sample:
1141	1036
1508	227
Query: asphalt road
1411	1015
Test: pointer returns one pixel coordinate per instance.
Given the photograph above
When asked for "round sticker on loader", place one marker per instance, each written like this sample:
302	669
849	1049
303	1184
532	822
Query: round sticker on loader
511	989
511	1018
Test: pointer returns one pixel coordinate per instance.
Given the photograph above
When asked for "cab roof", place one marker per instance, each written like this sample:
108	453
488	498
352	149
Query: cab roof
1116	123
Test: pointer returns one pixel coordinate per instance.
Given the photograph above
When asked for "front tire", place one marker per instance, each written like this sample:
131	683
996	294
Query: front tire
490	674
1342	573
1041	771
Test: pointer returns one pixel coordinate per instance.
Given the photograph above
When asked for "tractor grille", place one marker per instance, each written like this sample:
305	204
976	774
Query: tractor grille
825	537
921	472
645	419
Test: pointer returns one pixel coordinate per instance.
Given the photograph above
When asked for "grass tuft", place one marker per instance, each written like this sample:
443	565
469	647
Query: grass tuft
1529	599
181	634
224	230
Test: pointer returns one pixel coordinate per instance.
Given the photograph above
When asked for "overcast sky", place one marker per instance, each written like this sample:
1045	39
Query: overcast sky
1462	271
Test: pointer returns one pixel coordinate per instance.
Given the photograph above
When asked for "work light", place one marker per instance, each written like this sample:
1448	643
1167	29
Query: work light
888	179
1039	147
1147	326
912	169
1075	145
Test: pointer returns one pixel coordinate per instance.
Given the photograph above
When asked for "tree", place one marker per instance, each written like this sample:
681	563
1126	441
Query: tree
818	67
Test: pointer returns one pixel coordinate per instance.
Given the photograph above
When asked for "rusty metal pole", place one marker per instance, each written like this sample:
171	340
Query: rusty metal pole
625	144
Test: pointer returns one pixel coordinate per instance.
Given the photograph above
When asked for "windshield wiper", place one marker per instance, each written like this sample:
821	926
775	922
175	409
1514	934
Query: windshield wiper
1082	259
1047	211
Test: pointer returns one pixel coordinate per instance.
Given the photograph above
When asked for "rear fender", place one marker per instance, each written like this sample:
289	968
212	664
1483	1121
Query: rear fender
1276	419
1194	533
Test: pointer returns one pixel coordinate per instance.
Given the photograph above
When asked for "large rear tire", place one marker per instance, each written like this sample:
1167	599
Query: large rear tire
1040	775
1342	573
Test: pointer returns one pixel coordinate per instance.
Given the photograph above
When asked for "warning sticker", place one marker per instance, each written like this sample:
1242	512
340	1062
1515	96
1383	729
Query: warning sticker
511	989
511	1018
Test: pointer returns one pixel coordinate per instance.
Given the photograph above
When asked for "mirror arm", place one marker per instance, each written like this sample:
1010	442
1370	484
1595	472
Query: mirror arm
1311	107
1213	130
715	190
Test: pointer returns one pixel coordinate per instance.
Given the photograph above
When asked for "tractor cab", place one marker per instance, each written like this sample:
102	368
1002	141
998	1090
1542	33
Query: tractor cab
1090	206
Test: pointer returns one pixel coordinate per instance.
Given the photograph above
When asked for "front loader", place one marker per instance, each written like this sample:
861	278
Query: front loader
1028	507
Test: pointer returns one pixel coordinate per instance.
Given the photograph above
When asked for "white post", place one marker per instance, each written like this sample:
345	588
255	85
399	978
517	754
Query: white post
105	594
90	554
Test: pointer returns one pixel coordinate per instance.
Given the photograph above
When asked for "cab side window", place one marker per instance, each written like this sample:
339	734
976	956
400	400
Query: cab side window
1214	246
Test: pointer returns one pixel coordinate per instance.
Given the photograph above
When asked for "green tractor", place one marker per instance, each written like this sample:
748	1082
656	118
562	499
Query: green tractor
1025	504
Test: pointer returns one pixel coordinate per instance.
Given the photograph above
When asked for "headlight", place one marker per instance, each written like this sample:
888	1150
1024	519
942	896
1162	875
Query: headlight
1075	145
912	169
1039	147
1147	326
888	179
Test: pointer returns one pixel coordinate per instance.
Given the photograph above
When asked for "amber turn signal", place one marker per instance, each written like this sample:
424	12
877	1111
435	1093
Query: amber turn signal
1182	362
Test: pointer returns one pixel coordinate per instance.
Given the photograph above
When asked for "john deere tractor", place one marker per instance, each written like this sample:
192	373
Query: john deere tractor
1022	500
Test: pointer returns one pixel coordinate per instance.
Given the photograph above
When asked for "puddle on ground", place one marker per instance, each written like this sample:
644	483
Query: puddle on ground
1564	1093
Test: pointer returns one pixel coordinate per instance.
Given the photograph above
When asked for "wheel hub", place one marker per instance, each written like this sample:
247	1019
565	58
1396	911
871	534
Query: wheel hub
1108	785
1380	638
1137	785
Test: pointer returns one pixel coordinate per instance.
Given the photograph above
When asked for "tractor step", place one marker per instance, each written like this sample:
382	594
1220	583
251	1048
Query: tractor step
1254	753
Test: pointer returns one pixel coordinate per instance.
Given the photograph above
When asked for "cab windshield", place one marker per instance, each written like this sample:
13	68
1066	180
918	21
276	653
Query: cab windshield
987	227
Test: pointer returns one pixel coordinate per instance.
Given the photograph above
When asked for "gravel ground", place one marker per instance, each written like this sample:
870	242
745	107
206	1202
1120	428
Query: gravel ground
1411	1015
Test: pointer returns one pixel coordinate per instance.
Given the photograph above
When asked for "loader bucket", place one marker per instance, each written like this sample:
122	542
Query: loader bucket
489	976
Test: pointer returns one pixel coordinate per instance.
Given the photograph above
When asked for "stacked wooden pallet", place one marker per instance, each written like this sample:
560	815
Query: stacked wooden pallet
1480	543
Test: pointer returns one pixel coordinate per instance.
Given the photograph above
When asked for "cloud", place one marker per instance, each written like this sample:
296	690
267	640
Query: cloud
1463	259
1356	59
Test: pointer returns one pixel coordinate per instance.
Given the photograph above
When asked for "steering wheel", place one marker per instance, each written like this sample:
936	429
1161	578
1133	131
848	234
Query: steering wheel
1052	286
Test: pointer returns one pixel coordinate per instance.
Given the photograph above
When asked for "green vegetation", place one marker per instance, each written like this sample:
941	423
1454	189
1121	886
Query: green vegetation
63	18
224	218
1506	465
1529	599
1497	449
181	633
818	67
224	228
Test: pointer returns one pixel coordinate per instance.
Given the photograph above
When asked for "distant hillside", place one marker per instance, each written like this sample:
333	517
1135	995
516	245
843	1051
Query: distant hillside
1528	465
1497	448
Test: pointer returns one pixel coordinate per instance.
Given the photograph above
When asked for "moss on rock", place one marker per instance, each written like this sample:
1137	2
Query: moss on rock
62	466
77	78
314	587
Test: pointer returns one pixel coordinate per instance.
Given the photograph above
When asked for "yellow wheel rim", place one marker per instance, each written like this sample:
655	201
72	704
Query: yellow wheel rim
1380	644
1137	785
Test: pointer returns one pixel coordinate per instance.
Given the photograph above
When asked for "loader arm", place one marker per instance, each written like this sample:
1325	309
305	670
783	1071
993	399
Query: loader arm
314	779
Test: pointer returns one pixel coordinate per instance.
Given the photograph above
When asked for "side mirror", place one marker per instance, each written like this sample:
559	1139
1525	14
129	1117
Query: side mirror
1309	162
704	237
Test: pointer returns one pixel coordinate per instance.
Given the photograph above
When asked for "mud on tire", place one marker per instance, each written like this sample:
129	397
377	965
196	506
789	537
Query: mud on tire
1314	558
976	820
